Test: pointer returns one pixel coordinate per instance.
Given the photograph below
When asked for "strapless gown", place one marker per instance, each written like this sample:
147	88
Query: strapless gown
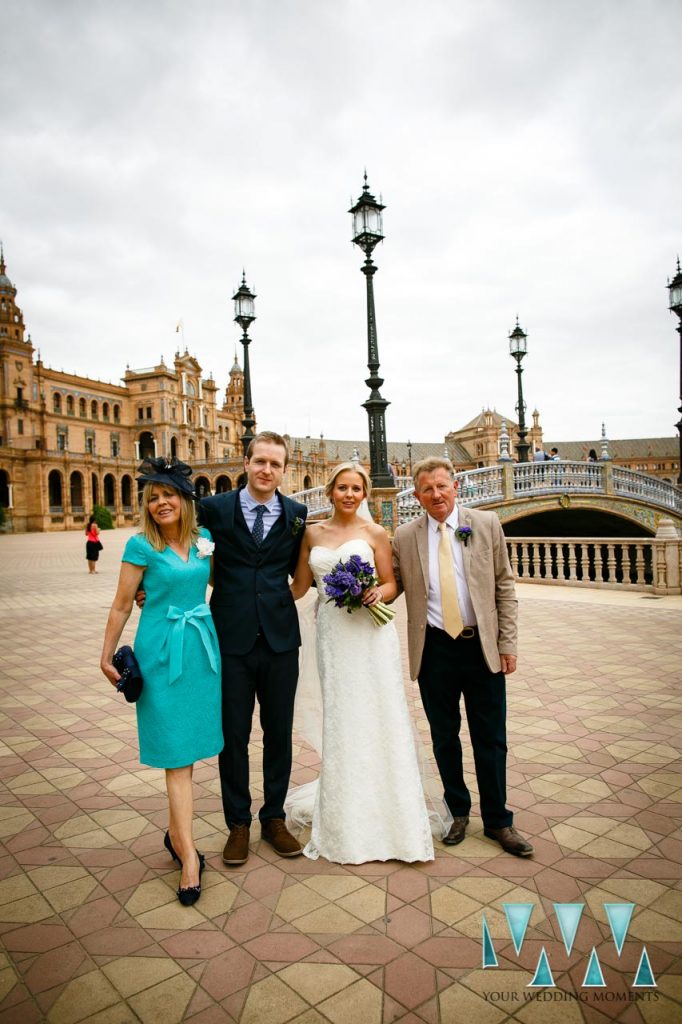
369	803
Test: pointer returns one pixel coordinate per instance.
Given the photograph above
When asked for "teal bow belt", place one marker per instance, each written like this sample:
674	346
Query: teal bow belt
175	638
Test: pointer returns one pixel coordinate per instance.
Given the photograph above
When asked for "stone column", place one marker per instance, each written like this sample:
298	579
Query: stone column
667	559
384	508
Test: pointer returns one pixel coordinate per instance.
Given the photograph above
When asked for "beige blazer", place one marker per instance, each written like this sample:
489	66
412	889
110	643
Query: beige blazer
489	578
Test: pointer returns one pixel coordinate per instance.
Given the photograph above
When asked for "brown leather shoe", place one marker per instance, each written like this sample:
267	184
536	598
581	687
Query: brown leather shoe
275	832
237	846
510	840
456	833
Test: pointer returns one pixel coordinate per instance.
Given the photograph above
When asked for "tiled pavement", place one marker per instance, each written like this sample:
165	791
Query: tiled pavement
88	918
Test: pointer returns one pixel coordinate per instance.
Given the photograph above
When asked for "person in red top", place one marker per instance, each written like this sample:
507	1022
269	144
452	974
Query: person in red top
93	545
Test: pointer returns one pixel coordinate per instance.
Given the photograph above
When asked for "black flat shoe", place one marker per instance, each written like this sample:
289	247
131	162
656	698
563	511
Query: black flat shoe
189	896
169	846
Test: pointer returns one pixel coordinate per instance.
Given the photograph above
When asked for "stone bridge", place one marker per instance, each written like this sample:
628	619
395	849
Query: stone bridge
517	491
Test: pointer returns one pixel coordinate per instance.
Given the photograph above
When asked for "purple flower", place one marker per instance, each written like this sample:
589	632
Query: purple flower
347	582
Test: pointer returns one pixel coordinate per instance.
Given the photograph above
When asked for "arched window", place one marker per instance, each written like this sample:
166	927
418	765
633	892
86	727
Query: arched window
94	409
126	493
4	488
207	450
57	402
190	448
202	486
222	484
174	447
307	483
54	490
95	489
117	414
105	410
146	445
82	407
76	493
69	405
110	491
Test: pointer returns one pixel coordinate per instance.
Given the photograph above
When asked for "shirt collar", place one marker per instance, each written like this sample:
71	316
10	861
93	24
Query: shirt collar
249	502
452	520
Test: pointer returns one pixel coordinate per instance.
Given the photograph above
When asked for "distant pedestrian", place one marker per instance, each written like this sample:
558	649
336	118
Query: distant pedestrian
554	455
93	545
538	454
591	456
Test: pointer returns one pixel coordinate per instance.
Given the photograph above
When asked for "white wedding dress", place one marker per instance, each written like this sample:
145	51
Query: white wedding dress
369	803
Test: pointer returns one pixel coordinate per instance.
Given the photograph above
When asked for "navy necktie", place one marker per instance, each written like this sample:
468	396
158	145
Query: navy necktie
258	531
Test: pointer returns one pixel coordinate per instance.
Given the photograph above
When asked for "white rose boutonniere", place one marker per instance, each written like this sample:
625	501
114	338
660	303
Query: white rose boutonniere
205	547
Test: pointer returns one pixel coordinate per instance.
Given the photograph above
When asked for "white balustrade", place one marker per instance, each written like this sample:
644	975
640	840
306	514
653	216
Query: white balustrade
624	562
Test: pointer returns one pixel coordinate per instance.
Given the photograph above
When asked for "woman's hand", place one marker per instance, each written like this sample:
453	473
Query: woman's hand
110	672
372	595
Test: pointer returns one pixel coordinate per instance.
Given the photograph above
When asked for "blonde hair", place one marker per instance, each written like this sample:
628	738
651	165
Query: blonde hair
429	465
348	467
188	520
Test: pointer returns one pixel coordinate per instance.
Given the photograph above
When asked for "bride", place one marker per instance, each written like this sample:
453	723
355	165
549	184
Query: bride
369	804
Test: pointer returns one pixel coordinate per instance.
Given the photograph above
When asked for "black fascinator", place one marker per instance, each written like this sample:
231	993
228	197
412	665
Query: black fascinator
167	471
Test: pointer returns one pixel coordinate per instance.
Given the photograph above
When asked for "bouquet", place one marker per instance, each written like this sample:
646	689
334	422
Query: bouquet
346	584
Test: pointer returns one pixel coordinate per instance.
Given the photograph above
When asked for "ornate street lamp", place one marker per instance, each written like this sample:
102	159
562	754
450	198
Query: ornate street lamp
518	349
367	232
409	457
244	316
675	292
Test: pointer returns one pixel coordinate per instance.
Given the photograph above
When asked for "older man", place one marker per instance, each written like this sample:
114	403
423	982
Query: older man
461	606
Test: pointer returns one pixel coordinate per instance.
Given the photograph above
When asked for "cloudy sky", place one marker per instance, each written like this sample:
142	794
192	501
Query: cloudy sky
528	153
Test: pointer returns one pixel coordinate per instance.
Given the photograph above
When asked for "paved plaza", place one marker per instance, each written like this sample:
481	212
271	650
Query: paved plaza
90	927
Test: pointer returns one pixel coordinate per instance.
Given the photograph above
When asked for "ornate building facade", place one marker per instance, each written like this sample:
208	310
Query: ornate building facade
69	442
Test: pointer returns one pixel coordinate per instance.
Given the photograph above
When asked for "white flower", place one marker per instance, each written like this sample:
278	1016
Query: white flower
205	547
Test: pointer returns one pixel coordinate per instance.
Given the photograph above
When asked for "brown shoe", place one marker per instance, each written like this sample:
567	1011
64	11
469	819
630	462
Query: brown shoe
275	832
237	846
510	840
456	833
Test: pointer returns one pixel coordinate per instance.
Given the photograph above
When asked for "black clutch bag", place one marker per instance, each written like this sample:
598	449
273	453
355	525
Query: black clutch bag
130	683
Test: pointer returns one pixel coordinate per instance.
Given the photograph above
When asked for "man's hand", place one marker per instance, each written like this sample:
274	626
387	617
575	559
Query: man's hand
508	663
141	597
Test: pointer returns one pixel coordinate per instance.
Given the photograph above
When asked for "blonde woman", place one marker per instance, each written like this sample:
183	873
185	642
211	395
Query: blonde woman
178	712
369	804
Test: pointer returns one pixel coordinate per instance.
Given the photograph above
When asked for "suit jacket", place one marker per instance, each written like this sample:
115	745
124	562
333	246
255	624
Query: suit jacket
250	584
489	578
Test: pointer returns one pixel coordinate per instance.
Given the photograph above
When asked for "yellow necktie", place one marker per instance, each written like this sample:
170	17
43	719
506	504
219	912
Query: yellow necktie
452	617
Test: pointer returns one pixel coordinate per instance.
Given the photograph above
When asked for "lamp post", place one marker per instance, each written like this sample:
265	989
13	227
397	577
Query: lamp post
367	232
409	456
518	349
675	292
244	316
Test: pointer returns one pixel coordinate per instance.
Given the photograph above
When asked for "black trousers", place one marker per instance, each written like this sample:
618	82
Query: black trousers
451	669
271	677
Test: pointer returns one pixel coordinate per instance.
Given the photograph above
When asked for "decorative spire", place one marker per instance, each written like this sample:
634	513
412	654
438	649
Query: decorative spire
504	443
2	259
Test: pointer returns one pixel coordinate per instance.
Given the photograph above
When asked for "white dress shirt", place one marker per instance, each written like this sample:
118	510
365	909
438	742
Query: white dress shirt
249	505
434	608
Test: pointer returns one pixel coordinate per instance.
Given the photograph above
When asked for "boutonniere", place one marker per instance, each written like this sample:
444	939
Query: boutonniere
297	526
463	533
205	547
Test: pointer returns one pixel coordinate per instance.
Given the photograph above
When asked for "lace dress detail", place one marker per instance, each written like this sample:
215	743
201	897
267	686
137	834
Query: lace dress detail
369	804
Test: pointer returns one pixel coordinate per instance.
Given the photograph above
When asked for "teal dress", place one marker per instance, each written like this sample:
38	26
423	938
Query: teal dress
179	717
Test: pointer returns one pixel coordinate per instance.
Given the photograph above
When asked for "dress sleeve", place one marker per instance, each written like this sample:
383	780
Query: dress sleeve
136	551
203	532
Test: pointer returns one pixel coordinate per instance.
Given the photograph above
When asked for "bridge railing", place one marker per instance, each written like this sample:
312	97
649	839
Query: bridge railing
545	477
315	499
628	563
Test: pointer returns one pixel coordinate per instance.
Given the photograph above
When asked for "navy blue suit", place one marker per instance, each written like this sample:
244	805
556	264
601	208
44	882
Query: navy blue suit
257	625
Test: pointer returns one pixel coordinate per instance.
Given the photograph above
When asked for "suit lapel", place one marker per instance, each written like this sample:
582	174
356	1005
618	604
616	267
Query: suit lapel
422	533
465	520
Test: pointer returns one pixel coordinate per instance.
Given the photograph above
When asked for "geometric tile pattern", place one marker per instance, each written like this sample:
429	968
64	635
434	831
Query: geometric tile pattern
90	929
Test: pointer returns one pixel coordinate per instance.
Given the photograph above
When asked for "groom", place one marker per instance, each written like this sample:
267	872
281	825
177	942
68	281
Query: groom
461	612
257	533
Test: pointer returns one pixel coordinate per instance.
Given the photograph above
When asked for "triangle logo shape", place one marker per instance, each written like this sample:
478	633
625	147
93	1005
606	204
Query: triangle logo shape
619	915
593	975
489	955
518	916
568	915
543	977
644	978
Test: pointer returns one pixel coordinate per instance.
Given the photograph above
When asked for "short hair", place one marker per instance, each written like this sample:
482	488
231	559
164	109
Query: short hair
430	464
188	520
268	437
554	450
348	467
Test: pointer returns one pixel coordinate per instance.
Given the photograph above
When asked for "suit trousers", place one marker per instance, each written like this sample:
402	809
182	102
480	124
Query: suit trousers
271	678
452	669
